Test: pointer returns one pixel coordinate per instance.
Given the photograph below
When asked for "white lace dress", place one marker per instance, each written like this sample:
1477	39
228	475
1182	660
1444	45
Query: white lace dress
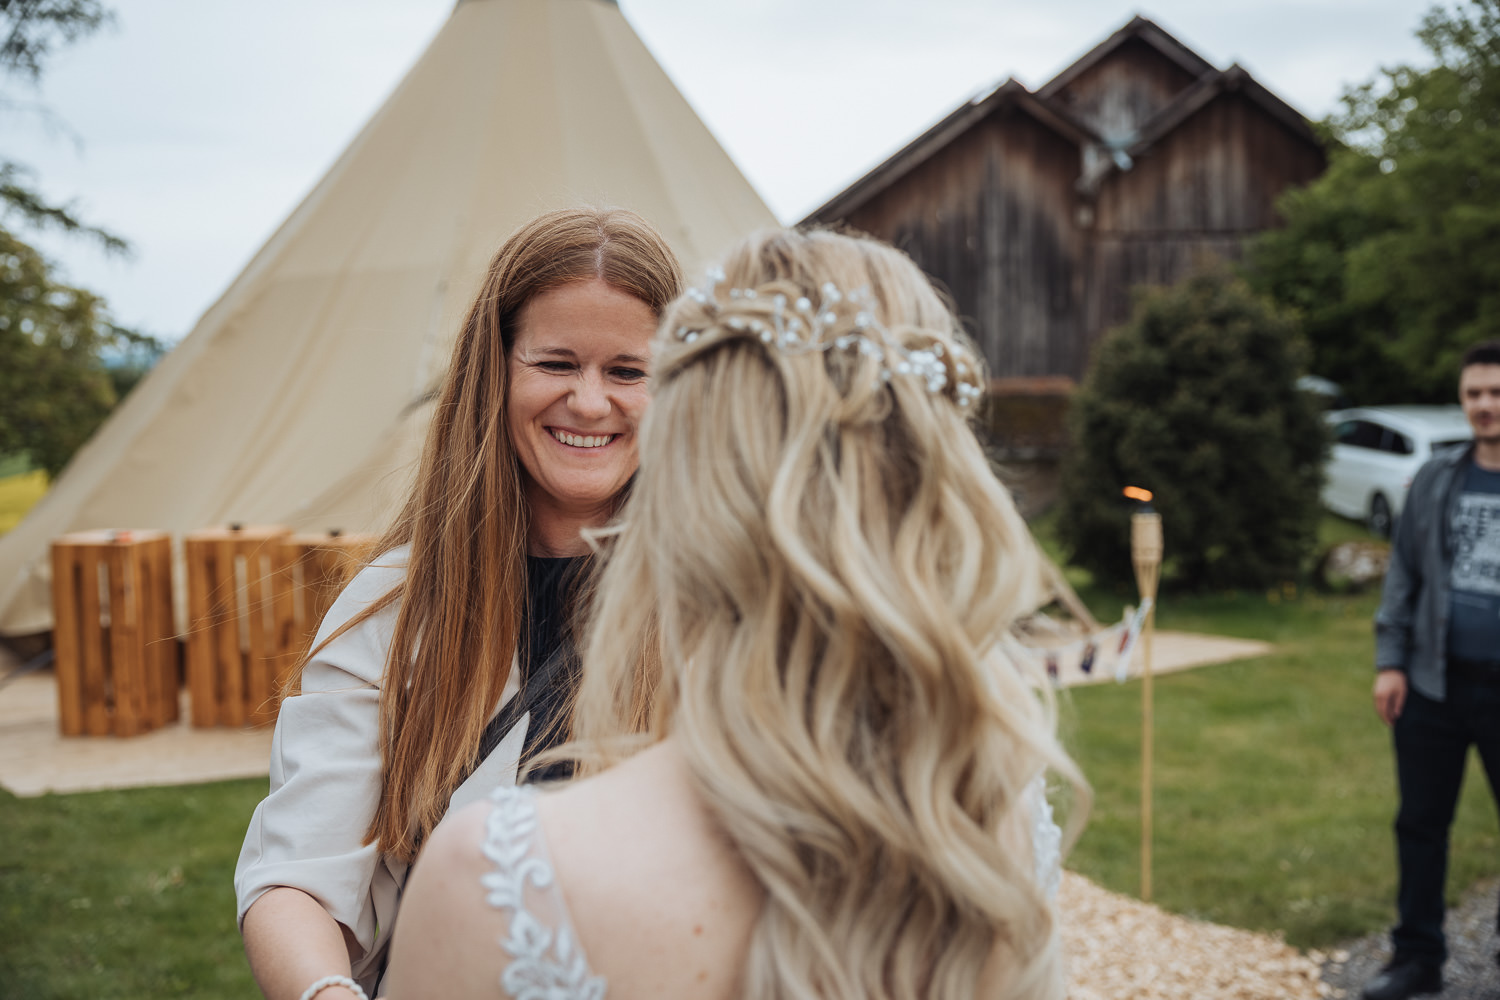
544	959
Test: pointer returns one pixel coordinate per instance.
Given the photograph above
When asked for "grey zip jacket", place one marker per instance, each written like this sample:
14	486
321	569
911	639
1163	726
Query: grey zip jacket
1411	627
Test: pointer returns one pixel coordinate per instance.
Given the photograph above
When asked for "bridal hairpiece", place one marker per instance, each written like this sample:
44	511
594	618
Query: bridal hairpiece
800	327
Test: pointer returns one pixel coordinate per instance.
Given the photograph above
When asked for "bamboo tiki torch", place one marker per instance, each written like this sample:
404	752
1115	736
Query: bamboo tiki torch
1145	554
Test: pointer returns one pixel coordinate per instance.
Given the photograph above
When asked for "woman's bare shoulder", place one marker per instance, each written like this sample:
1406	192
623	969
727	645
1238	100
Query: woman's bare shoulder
660	900
445	941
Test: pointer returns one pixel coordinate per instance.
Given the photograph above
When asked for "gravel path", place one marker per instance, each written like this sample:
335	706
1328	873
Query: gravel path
1471	972
1118	948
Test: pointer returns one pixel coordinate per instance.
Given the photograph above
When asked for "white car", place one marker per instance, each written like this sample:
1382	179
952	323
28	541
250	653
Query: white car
1377	450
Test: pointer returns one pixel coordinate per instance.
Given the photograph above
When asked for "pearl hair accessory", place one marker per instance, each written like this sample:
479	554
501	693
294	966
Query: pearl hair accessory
799	327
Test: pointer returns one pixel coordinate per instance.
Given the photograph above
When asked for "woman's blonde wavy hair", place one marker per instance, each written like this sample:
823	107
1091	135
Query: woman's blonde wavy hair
828	570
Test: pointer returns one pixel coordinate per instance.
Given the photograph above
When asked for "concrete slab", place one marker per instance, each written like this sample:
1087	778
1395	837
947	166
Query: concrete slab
35	759
1174	651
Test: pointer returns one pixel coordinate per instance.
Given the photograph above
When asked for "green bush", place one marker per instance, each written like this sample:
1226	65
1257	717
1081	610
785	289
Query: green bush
1196	400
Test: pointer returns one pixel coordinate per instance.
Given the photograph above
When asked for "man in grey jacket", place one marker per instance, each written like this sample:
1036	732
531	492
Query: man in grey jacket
1437	659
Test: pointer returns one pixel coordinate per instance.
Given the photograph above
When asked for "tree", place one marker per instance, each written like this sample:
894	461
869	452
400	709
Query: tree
54	390
29	30
55	385
1305	267
1392	258
1195	399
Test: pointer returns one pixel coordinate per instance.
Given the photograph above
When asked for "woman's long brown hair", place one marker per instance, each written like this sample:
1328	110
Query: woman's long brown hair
466	521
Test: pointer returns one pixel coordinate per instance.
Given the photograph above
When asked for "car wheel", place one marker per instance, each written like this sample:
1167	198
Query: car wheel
1380	520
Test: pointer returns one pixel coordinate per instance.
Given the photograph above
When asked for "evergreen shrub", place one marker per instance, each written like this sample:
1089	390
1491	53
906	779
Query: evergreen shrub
1196	400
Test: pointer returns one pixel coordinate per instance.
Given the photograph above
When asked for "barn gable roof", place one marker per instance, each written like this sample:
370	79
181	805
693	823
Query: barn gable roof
1137	28
1206	89
1010	94
1235	79
1100	157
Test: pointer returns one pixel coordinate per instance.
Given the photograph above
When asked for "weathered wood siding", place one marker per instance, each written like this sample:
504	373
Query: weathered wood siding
1118	95
1039	249
1203	190
989	216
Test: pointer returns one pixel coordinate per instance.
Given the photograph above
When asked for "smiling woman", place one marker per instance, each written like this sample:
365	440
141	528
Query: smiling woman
578	373
532	440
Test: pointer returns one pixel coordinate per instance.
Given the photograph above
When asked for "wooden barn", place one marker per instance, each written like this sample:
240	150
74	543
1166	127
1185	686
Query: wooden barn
1040	210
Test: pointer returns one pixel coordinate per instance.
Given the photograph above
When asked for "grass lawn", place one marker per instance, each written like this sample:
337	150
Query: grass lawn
19	492
124	894
1275	782
1275	792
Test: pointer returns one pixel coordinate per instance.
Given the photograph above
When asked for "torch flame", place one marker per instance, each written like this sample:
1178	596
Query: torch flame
1136	493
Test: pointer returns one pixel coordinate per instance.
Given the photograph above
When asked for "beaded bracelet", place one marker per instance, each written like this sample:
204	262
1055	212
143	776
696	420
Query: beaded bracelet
327	981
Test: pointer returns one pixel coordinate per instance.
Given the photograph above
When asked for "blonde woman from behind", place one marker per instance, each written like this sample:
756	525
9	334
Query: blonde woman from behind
827	783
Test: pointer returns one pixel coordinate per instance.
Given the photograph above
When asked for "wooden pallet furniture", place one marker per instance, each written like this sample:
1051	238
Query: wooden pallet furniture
311	569
113	635
232	657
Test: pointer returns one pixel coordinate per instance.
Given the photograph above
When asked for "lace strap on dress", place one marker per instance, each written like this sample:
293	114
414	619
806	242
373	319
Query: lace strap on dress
545	961
1046	839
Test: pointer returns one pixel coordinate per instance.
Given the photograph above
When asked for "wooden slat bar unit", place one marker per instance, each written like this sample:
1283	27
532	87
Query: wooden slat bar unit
310	571
231	650
113	637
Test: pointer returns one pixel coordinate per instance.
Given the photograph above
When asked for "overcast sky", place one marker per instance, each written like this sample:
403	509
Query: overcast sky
193	127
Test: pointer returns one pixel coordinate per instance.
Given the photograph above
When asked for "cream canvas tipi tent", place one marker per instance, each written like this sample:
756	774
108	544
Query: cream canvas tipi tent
300	396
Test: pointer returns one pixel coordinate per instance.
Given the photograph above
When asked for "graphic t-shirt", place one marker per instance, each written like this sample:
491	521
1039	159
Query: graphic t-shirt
1474	596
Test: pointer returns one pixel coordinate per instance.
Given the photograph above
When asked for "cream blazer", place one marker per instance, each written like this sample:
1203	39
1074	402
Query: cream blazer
325	778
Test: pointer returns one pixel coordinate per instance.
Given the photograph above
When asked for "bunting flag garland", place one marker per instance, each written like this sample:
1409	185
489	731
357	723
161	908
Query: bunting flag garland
1106	651
1132	636
1086	664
